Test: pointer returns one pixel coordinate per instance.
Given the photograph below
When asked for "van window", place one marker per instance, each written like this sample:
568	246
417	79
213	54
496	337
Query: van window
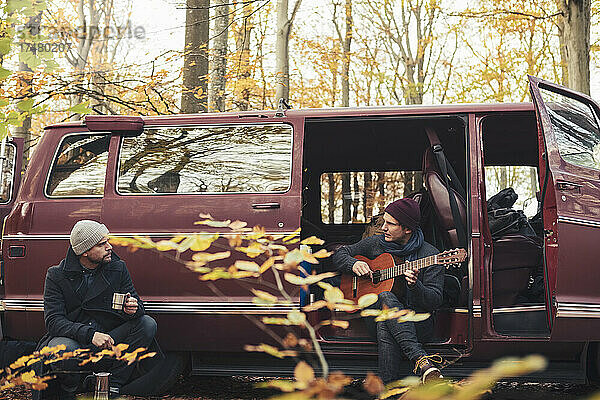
576	129
215	159
522	178
355	197
8	174
79	167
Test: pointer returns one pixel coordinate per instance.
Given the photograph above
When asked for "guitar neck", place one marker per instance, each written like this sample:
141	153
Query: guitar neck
397	270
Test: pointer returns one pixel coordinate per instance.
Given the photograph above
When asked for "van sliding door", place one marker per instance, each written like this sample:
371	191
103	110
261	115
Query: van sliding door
569	142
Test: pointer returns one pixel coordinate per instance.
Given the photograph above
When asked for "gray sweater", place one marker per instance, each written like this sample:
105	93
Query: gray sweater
424	296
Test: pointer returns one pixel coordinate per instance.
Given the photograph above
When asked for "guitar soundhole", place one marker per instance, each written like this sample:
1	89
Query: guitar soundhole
376	277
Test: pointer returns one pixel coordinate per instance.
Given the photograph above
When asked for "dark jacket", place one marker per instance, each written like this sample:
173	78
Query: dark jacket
425	295
72	312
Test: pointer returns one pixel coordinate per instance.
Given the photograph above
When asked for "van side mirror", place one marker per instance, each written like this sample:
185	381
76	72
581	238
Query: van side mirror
124	125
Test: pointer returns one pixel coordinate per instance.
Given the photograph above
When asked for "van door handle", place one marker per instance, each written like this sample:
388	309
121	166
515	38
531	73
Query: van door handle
265	206
568	186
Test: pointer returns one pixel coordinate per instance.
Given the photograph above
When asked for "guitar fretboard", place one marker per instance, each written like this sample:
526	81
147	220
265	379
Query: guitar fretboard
398	270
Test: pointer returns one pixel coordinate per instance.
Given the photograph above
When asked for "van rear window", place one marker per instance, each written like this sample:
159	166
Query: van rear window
206	159
355	197
79	167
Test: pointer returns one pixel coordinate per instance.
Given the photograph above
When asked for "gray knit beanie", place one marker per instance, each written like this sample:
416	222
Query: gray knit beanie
86	234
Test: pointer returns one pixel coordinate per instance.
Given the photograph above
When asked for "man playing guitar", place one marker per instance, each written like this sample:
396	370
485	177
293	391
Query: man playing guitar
420	290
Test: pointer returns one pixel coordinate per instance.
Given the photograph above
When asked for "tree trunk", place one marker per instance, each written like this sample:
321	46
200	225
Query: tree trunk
26	77
355	198
574	35
368	196
345	44
195	59
282	42
346	197
331	198
381	190
218	81
242	43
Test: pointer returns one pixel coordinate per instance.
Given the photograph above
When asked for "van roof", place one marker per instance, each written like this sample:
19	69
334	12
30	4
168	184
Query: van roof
333	112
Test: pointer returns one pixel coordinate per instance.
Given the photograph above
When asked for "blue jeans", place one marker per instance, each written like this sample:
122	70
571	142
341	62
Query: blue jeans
395	339
138	332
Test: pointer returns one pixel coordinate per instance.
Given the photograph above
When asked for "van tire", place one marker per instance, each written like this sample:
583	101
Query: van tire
161	377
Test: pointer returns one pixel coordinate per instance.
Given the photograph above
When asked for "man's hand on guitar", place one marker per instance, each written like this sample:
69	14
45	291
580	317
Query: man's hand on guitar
361	268
411	276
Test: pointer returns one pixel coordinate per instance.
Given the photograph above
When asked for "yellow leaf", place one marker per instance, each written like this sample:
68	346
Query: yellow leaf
322	254
28	377
247	265
308	257
275	321
243	274
208	257
315	306
266	265
304	373
312	240
324	285
280	384
309	280
214	224
340	324
296	317
294	257
237	225
205	216
253	250
367	300
334	295
268	297
292	236
202	242
166	245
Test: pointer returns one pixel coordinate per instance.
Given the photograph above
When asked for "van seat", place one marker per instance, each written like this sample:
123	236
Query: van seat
515	257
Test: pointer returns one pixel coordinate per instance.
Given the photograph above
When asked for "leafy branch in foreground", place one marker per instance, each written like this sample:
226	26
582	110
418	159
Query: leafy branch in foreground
252	255
22	371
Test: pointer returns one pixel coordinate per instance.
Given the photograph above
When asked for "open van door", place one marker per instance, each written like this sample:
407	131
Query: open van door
11	157
569	147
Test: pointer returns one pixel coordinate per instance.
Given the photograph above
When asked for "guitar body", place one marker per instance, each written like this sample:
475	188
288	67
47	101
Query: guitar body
363	283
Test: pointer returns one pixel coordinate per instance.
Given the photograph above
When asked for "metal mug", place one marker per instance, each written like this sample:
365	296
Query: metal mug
102	386
119	300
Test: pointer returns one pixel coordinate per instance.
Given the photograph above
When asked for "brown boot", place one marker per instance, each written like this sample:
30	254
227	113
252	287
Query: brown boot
425	368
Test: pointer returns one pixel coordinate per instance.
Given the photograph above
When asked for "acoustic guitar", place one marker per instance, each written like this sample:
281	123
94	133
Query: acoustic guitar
385	270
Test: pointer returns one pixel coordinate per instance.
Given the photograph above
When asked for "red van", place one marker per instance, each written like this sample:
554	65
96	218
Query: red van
329	172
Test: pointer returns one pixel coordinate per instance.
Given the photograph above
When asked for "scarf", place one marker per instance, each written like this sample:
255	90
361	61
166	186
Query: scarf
408	250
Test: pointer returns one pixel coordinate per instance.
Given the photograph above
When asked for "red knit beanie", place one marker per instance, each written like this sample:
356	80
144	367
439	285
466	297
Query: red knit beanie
406	212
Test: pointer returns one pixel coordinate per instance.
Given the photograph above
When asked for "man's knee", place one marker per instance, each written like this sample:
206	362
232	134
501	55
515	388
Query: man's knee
70	344
148	326
390	300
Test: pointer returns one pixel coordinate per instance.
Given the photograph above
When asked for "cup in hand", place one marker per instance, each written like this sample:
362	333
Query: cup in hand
118	300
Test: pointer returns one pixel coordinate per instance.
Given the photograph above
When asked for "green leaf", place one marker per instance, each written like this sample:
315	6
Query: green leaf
3	130
4	73
29	59
3	102
81	108
25	105
4	46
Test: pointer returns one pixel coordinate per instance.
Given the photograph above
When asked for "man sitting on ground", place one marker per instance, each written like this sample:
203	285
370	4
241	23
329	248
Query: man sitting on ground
78	305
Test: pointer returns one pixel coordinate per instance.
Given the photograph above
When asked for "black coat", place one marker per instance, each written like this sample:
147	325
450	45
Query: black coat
69	312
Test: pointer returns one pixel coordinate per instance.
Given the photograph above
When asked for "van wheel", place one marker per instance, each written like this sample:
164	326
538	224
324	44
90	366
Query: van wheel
161	377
